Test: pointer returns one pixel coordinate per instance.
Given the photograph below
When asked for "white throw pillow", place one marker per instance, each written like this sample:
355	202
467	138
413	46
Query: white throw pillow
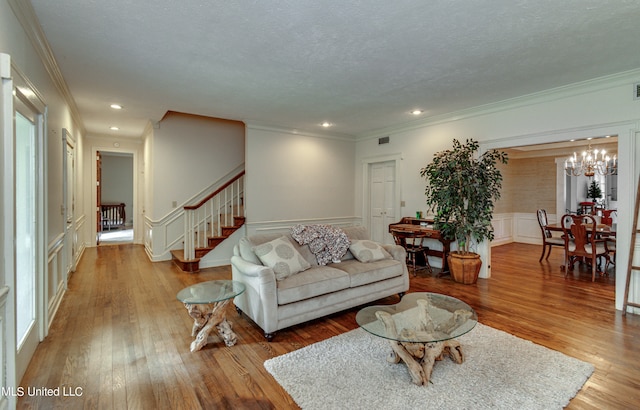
368	251
281	256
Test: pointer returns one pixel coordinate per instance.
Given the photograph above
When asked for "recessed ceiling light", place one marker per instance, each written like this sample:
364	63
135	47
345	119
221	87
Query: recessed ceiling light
416	112
116	106
114	128
326	124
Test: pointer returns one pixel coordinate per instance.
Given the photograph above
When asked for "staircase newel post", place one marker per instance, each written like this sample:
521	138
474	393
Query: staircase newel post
189	250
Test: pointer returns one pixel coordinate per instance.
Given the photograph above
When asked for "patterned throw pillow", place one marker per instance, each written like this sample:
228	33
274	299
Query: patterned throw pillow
368	251
282	257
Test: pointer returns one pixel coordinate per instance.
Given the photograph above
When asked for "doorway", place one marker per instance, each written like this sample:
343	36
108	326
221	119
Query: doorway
381	197
69	197
115	197
29	229
626	148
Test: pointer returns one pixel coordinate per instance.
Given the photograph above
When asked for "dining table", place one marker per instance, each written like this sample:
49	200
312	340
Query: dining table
601	229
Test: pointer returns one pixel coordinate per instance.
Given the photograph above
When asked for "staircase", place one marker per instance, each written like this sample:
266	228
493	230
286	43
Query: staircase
209	222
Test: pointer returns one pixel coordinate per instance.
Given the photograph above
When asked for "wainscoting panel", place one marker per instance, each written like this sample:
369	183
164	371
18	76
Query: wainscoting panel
502	229
284	226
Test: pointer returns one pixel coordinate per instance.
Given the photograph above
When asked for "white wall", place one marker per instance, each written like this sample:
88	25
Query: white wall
595	108
185	158
188	153
15	42
298	177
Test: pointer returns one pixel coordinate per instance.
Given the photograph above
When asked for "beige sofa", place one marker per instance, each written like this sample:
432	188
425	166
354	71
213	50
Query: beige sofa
275	304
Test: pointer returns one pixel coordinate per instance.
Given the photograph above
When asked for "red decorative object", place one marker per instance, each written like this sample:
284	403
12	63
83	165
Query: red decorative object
606	217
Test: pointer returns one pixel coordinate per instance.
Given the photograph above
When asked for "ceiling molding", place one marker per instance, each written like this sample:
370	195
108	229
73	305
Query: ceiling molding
583	87
306	133
29	21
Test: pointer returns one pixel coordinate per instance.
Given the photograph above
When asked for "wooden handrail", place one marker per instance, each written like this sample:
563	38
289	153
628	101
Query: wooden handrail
216	192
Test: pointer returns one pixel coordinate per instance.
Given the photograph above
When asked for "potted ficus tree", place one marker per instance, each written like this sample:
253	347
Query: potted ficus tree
461	191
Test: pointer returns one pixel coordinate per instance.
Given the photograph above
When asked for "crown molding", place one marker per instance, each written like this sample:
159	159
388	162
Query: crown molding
285	130
25	14
583	87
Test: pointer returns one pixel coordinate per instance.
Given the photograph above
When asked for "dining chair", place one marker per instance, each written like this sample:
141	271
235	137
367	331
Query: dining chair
581	241
412	242
548	240
610	245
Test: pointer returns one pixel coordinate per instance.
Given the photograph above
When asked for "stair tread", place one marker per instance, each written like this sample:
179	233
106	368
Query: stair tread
179	255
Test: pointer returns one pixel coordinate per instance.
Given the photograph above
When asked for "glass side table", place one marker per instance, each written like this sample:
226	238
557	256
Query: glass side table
206	304
421	329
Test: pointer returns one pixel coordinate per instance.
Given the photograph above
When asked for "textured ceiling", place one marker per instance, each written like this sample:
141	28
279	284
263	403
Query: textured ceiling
361	65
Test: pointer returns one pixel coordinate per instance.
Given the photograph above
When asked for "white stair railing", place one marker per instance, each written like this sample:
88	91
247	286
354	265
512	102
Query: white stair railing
207	218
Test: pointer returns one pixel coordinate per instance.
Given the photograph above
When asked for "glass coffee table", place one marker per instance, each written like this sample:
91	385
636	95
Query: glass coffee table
421	329
206	304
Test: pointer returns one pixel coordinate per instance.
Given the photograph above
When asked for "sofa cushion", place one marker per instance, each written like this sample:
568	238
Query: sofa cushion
368	251
245	247
259	239
316	281
281	256
354	233
365	273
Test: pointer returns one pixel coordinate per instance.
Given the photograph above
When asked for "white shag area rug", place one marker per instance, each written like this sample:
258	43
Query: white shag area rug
500	371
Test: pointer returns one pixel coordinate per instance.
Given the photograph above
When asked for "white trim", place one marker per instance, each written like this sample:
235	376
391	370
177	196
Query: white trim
545	96
25	14
366	162
94	195
28	95
628	171
305	133
7	258
284	225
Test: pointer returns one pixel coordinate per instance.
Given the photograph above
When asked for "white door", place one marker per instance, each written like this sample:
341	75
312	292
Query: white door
70	242
28	205
26	234
382	200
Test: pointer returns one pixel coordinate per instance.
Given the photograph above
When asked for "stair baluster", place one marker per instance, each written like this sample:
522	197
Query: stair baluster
204	222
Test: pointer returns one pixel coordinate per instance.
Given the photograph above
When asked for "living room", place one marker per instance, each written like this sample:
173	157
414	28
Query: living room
295	174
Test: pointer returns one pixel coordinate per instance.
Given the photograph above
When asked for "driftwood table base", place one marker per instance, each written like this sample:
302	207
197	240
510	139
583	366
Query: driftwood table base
206	317
420	357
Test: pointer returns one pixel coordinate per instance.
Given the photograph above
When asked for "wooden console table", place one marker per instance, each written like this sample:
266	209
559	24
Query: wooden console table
414	225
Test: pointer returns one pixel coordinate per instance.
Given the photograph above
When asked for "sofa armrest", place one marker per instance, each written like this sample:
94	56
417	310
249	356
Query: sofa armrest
397	251
251	269
260	299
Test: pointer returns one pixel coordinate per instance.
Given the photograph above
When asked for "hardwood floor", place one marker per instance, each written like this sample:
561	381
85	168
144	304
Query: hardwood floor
121	339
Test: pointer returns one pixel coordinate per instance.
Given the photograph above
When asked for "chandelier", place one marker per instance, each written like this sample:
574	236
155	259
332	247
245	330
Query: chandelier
590	163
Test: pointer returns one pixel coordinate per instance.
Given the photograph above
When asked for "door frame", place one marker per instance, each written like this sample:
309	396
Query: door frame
628	173
366	192
7	259
94	195
20	88
69	228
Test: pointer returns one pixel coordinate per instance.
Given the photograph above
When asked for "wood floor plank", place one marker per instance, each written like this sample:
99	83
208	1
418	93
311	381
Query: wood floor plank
122	336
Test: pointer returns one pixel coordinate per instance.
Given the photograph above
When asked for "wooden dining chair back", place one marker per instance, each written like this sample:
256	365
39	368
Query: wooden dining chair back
548	240
412	242
581	241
